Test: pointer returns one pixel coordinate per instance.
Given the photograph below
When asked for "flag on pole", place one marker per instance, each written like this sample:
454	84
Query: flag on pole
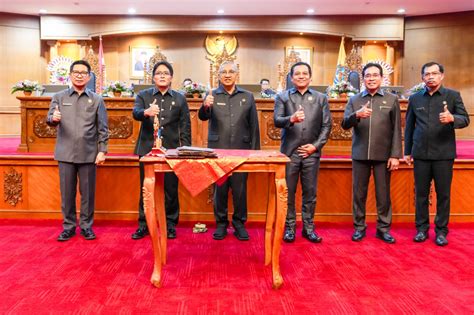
341	68
101	66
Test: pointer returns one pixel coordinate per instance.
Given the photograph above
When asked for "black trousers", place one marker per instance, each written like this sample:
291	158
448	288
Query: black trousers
171	199
361	170
68	175
237	182
308	169
441	171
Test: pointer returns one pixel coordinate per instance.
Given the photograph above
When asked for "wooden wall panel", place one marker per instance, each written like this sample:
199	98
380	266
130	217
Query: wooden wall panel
363	27
118	185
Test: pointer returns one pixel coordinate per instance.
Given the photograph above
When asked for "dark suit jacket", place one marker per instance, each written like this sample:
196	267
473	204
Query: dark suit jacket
378	137
317	121
233	121
426	137
174	120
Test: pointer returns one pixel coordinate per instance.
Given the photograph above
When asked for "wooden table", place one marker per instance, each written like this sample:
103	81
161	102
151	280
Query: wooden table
153	198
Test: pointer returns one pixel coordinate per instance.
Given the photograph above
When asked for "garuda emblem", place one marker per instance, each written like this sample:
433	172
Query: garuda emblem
220	46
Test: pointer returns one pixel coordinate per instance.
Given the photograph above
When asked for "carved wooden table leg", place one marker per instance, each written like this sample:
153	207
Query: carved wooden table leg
161	213
270	223
150	214
282	197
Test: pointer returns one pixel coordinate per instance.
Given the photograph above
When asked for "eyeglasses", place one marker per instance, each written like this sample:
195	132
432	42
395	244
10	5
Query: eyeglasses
162	74
231	72
429	74
370	76
78	73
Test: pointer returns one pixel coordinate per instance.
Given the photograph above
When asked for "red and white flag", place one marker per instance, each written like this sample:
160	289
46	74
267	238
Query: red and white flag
101	66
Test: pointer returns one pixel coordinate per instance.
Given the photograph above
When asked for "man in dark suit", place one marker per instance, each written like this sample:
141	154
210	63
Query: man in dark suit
265	89
175	130
306	121
376	145
81	144
430	142
233	124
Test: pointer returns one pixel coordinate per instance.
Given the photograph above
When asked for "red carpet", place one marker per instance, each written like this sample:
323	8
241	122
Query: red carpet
111	274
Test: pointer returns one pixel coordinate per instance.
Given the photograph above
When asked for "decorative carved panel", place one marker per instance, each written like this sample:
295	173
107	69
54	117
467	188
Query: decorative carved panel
12	186
273	132
120	127
41	129
93	60
337	133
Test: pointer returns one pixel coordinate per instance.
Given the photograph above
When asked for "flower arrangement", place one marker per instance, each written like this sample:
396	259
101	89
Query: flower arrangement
342	87
26	86
194	88
117	86
416	88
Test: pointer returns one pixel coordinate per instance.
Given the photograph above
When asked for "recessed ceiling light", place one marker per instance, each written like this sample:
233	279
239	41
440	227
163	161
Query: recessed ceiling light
43	11
375	42
301	33
220	11
220	32
401	10
310	11
132	11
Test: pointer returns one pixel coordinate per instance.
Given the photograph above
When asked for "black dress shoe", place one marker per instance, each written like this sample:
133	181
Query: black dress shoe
171	233
241	233
420	236
140	233
441	240
220	232
88	234
66	235
289	236
311	236
358	235
385	236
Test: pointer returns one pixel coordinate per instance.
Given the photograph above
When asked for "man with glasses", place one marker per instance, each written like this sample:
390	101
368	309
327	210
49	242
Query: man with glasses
304	116
374	116
81	143
430	142
172	110
233	124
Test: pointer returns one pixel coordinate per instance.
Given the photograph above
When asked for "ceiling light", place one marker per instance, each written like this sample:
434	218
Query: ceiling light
310	11
301	33
220	11
43	11
220	32
401	10
132	11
